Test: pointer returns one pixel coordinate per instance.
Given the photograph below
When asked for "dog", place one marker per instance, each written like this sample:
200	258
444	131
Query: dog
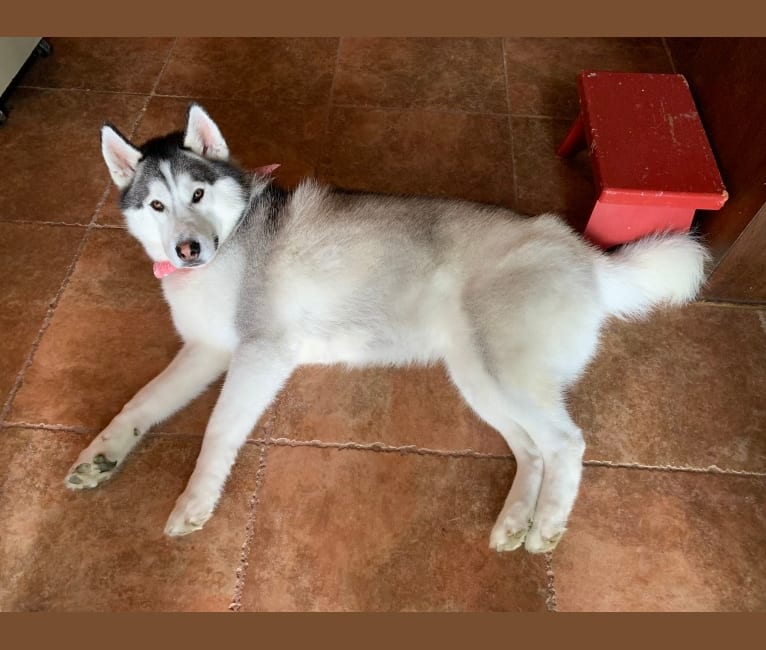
260	280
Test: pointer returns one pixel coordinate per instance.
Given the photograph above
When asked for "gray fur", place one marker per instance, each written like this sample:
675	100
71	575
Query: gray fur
512	306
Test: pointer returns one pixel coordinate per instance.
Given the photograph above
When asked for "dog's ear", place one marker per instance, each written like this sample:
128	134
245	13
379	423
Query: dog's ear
120	156
203	136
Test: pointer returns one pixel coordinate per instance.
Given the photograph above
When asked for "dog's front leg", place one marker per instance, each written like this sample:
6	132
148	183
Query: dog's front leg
191	371
257	372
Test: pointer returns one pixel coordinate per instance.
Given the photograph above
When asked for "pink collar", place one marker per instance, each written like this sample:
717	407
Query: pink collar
162	269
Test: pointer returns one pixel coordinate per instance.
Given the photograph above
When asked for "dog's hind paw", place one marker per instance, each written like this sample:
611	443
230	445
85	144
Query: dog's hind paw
508	534
539	541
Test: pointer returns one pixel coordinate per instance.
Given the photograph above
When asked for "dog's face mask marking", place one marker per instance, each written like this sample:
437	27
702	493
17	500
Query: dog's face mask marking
180	198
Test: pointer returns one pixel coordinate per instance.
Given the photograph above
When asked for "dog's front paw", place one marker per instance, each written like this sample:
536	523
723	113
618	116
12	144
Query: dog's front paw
88	472
101	458
190	513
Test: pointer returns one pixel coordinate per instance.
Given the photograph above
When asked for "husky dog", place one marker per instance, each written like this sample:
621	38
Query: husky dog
264	280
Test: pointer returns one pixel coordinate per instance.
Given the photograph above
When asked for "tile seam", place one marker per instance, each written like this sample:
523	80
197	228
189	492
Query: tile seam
33	222
330	104
244	556
510	127
405	449
690	469
551	603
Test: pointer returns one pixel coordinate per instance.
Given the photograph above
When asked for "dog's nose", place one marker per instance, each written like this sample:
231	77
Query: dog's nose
188	250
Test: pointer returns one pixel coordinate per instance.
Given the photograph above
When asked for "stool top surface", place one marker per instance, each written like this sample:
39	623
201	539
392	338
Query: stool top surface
647	141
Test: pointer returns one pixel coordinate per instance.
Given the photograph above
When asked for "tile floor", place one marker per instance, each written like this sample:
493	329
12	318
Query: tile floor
360	490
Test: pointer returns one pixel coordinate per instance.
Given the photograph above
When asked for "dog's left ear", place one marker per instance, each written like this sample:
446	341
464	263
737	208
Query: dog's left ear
203	136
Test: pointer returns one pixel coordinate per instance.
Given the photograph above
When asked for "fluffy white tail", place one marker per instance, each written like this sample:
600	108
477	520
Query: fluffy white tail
664	268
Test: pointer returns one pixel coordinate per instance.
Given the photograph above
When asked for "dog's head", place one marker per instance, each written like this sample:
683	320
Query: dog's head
180	195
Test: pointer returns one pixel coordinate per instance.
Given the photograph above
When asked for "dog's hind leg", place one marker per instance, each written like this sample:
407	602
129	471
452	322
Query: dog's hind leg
562	446
256	374
483	395
191	371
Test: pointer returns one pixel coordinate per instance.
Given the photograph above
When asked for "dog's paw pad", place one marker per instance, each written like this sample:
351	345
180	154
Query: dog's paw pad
543	543
188	516
103	464
90	474
508	535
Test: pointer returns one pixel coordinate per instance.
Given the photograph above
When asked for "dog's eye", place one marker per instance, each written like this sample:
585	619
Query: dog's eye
198	194
156	205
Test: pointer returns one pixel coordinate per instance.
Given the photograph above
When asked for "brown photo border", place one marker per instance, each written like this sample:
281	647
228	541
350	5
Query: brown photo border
391	18
382	18
395	631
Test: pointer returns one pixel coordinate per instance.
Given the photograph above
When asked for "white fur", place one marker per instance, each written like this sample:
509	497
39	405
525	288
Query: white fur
203	136
513	307
661	268
120	156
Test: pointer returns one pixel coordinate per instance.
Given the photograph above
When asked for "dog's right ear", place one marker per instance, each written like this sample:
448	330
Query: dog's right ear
120	156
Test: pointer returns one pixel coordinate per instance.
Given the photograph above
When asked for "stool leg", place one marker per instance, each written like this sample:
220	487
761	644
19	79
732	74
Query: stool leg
575	139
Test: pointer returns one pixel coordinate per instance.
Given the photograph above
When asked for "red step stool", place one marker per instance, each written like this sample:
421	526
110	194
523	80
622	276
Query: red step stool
652	162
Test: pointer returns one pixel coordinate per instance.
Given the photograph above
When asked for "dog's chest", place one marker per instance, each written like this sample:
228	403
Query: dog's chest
203	306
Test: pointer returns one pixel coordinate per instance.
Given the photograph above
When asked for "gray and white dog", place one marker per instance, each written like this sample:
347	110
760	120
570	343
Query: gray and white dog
264	281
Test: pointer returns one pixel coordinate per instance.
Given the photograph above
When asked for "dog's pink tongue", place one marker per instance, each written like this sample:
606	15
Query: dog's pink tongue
161	269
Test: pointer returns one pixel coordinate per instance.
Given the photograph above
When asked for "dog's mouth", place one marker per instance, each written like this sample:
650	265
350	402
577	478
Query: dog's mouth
166	267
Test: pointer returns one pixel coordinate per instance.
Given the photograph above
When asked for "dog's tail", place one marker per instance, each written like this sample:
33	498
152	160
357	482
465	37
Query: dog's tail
659	269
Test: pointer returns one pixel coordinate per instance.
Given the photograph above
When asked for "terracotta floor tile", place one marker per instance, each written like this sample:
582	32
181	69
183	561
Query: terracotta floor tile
542	72
663	541
685	387
436	73
33	262
397	407
104	550
117	64
111	334
256	134
280	70
359	530
50	161
545	182
415	152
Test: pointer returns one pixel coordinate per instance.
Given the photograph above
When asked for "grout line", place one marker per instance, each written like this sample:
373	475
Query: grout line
382	447
528	116
669	55
710	469
164	65
551	604
326	131
753	306
277	442
403	449
420	109
48	427
153	91
83	90
244	557
33	222
510	127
